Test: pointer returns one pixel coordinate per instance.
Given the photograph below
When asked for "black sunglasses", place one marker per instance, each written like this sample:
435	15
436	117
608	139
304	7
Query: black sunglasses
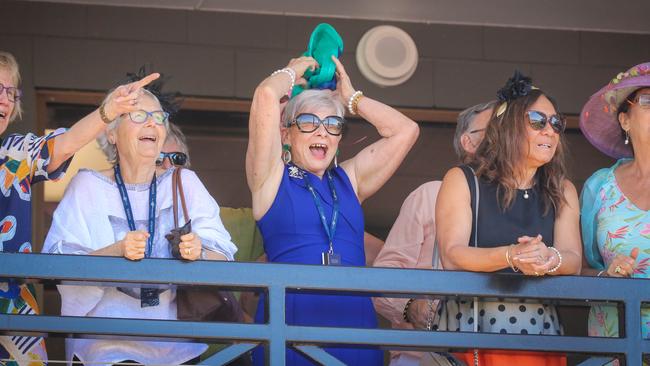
176	158
308	122
538	121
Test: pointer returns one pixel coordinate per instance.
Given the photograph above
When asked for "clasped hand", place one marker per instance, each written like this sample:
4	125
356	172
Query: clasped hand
532	256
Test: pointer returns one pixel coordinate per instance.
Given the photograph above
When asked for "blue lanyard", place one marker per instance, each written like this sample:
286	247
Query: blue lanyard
129	213
329	229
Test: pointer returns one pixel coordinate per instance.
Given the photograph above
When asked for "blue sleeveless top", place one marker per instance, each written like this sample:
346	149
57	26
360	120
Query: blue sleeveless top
293	233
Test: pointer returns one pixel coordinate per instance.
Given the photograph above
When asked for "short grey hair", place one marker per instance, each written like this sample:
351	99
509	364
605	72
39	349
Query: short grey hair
110	150
312	99
463	122
175	134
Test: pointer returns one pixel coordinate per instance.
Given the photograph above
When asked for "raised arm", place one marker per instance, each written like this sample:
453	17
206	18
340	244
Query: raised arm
263	156
121	100
454	228
374	165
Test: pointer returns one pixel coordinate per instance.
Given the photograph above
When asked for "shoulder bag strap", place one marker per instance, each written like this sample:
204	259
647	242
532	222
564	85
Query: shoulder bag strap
476	300
175	196
182	194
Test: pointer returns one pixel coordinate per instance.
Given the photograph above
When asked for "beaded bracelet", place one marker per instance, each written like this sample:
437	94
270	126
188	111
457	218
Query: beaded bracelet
558	263
406	309
103	116
292	74
353	102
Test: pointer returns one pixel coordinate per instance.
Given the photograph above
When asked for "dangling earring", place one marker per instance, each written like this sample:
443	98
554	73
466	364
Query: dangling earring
627	138
336	161
286	153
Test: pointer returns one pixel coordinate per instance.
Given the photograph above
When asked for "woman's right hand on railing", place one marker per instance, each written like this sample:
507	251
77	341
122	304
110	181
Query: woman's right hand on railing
133	245
623	265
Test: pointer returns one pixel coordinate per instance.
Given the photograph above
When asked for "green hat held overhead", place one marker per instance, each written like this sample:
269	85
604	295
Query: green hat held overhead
324	43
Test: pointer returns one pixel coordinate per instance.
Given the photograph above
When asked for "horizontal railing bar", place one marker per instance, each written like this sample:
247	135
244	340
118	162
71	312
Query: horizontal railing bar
165	330
351	279
160	330
421	340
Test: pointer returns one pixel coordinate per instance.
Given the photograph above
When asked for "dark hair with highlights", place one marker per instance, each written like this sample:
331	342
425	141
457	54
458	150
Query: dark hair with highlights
502	153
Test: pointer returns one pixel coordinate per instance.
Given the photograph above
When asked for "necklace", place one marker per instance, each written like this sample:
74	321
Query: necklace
526	194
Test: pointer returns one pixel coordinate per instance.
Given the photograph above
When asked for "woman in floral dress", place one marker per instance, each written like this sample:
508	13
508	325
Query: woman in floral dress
615	204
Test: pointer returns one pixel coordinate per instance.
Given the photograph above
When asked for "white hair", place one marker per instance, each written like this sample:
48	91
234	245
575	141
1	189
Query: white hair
109	149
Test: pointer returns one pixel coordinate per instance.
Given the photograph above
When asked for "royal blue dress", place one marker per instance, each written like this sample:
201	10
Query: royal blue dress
293	233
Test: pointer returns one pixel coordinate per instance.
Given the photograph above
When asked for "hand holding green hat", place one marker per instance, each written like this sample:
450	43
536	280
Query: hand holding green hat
324	43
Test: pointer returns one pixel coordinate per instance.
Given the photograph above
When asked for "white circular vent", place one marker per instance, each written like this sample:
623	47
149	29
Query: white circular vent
387	55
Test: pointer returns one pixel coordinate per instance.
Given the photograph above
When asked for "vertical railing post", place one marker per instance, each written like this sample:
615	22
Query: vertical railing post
277	343
633	332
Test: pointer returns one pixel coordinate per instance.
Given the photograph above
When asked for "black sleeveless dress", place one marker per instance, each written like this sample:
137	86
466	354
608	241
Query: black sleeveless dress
496	228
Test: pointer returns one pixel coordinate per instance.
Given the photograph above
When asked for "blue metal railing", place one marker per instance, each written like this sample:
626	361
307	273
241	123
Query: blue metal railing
278	279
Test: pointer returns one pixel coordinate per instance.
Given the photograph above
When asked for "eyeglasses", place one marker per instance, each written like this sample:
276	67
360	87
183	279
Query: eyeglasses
643	100
308	122
176	158
13	93
538	121
160	117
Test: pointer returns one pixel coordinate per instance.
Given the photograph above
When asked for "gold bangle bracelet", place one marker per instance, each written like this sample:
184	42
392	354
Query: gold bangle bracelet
103	116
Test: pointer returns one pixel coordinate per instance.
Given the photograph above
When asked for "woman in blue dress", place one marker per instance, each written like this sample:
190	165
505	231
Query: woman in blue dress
309	212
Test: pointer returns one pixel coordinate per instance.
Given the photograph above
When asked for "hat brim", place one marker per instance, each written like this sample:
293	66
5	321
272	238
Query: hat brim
599	118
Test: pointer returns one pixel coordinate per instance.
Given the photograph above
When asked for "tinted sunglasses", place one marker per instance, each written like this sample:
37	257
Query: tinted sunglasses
539	119
140	116
308	122
176	158
642	100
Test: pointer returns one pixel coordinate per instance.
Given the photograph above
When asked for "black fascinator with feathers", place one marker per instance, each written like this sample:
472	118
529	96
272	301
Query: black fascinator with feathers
169	101
517	86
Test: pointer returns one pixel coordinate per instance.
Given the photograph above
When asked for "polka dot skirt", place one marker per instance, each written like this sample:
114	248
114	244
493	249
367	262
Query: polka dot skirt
518	317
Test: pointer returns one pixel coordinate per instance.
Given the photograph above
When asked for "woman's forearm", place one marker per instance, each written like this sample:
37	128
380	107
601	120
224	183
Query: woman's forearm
465	258
113	250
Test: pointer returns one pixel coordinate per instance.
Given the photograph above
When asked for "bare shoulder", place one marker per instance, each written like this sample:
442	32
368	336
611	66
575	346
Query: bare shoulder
454	185
570	190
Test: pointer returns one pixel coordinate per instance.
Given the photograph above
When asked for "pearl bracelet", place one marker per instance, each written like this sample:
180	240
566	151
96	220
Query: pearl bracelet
353	102
292	74
558	263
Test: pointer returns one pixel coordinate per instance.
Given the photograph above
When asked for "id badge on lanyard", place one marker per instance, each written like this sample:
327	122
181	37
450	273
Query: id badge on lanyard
329	257
148	296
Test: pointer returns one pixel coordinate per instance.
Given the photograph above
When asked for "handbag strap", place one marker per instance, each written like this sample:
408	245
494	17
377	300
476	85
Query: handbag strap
476	196
177	190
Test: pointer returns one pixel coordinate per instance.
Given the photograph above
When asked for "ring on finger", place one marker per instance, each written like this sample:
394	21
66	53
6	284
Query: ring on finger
618	270
188	251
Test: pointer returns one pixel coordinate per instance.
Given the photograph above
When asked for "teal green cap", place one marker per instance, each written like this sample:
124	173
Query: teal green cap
324	43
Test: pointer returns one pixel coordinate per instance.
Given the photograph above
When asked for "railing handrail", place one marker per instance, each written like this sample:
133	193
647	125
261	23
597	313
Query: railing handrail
280	278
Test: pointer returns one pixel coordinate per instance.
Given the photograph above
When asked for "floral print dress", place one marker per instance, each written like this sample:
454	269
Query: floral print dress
619	227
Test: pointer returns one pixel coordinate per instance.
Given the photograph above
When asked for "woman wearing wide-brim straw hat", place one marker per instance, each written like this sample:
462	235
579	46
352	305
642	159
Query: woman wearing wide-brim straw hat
615	204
